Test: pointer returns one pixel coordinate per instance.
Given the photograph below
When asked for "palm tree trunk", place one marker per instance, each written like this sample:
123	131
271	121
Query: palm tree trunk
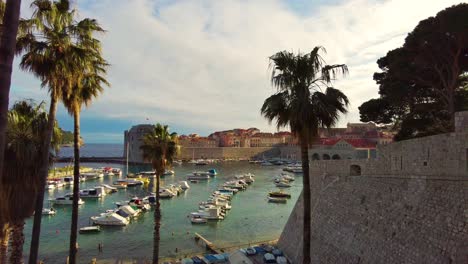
157	222
43	173
17	242
4	240
307	202
76	185
7	53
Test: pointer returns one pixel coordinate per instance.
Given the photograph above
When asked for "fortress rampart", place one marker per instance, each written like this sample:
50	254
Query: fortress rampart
409	205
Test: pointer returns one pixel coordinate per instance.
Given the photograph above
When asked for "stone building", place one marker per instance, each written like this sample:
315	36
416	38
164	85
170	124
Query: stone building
409	205
133	139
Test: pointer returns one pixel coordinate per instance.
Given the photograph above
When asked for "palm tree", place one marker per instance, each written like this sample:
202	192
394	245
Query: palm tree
9	19
27	123
160	148
9	16
90	82
304	101
49	52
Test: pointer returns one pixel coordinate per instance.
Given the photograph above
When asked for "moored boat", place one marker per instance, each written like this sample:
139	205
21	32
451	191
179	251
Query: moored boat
279	194
65	200
277	200
197	219
90	229
48	211
109	219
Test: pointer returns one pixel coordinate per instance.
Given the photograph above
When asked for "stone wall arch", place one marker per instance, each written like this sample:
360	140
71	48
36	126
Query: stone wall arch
315	156
326	157
355	170
336	157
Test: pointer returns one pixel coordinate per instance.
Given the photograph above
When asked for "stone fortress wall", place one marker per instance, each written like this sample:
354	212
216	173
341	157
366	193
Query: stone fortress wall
409	205
227	153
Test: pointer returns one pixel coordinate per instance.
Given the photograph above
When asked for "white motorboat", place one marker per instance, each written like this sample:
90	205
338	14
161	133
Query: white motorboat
166	193
96	192
117	172
90	229
110	219
196	219
65	200
184	185
48	211
198	177
168	173
150	174
127	211
108	188
92	175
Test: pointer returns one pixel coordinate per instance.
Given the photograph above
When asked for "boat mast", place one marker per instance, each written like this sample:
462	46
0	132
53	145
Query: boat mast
127	156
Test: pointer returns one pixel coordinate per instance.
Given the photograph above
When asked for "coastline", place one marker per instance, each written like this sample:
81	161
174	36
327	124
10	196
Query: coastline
180	256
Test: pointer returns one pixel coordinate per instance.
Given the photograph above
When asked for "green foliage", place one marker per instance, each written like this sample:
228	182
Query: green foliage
27	124
305	99
423	82
160	147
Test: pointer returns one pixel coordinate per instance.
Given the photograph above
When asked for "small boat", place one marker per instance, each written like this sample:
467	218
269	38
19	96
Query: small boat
178	162
127	211
151	174
279	194
117	172
194	181
250	251
108	188
168	173
269	258
201	162
276	200
65	200
283	184
110	219
90	229
197	219
96	192
48	211
281	260
184	185
68	180
198	177
287	177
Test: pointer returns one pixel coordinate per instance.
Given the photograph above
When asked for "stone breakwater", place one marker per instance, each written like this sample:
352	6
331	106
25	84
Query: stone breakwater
410	205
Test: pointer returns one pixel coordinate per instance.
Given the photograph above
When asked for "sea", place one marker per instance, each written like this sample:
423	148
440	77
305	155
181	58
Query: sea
251	219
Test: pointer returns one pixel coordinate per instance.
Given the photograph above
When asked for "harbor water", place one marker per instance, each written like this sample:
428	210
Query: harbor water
251	218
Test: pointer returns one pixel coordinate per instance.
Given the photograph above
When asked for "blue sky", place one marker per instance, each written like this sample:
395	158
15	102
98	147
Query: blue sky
201	65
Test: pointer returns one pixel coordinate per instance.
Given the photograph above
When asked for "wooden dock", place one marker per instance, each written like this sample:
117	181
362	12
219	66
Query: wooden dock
209	246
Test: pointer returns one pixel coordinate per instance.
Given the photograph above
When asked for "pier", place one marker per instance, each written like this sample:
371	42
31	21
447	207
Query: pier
209	246
117	160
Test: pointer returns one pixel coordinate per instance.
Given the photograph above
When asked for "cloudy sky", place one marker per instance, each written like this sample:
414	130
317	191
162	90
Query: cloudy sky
202	65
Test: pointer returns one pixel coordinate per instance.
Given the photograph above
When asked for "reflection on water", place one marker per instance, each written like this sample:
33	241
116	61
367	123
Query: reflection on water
251	218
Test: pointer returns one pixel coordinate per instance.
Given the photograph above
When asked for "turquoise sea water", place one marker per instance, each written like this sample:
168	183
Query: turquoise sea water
251	218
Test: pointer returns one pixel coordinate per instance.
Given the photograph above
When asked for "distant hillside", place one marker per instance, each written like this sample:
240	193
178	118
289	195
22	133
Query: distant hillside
67	138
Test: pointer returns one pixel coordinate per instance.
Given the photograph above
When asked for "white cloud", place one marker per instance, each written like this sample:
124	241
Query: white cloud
203	64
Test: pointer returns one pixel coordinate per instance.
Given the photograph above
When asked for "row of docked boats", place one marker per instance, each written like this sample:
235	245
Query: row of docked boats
127	210
284	180
55	183
219	202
